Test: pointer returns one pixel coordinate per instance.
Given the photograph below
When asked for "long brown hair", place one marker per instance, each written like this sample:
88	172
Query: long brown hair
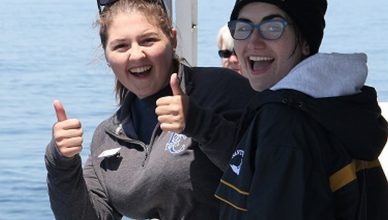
153	10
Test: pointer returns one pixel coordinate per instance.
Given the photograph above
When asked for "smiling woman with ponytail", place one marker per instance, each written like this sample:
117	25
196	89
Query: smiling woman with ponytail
161	154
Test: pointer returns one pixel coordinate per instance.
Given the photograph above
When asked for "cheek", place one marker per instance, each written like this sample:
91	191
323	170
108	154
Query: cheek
238	49
163	63
114	60
160	53
119	69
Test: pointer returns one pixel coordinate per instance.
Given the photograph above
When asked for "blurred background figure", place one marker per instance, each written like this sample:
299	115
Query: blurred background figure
226	51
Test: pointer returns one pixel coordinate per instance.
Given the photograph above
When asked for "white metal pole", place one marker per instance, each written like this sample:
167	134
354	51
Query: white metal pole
168	4
186	22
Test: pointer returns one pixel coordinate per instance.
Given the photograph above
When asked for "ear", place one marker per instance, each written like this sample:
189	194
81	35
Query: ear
305	49
173	38
107	61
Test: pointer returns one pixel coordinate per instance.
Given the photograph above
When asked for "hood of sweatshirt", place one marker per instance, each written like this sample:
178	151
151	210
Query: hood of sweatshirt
341	103
327	75
355	120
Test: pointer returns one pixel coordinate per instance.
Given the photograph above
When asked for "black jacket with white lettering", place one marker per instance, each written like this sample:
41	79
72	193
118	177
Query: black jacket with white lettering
305	158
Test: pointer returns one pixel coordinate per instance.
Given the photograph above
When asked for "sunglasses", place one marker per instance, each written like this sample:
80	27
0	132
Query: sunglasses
104	3
269	29
226	53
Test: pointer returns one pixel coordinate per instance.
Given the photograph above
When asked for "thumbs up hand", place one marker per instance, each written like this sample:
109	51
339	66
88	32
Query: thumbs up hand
67	133
172	110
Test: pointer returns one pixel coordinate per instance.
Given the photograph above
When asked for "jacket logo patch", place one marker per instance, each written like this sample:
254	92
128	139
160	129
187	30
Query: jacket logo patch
236	161
174	144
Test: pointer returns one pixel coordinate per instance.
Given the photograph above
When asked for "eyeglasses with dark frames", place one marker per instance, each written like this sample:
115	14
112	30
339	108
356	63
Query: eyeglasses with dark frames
226	53
104	3
268	29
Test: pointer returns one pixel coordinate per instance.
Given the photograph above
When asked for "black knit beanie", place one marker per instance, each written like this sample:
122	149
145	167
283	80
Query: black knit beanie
307	14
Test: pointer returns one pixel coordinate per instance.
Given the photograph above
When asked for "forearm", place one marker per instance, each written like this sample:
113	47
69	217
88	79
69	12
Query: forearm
216	133
67	190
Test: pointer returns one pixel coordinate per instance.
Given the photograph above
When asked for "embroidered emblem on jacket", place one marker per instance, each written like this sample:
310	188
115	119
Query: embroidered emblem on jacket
174	144
236	161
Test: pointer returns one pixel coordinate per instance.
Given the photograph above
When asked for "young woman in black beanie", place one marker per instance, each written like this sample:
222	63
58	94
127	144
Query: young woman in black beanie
309	144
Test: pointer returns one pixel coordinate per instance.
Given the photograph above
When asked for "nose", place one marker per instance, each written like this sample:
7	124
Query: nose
233	58
136	52
256	40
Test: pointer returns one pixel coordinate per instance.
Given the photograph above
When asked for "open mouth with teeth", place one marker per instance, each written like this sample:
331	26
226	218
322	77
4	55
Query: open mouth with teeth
259	63
140	72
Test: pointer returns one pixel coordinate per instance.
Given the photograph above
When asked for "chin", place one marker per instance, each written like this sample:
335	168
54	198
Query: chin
256	87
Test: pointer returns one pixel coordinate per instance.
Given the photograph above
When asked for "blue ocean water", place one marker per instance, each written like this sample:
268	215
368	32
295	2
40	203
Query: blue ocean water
49	49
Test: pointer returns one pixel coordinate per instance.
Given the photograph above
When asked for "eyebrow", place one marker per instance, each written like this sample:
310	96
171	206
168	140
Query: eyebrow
266	18
272	16
117	41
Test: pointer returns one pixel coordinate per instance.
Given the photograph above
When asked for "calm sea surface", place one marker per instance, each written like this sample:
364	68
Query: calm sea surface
49	50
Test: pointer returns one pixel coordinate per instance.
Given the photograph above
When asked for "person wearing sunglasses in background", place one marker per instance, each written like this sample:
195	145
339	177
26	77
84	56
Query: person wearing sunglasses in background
225	49
310	141
139	167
